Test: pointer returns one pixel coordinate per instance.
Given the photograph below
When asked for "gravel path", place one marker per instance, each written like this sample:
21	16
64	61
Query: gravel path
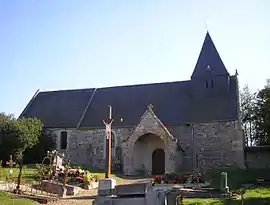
85	197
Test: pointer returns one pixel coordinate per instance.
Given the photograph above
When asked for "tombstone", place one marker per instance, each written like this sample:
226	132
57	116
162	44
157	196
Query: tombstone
59	188
133	194
224	182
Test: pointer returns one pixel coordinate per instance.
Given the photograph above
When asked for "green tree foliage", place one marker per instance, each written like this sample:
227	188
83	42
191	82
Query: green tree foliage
255	116
4	116
20	135
262	117
8	136
28	133
247	108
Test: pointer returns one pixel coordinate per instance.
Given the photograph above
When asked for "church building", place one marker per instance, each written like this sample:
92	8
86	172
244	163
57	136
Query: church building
157	128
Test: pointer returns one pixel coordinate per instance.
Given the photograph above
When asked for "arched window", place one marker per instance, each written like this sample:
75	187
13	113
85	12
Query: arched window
63	140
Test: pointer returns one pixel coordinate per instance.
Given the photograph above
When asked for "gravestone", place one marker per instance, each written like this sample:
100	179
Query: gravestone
133	194
59	188
224	182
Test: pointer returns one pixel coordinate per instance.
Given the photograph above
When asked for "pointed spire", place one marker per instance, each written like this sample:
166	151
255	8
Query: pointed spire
209	61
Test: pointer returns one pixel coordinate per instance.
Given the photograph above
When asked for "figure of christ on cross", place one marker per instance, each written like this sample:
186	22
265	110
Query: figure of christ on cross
108	143
10	163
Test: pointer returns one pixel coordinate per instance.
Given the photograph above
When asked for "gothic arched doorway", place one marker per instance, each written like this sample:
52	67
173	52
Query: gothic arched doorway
158	162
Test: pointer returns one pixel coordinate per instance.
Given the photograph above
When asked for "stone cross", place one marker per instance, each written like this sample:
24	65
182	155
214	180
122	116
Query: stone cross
108	126
10	163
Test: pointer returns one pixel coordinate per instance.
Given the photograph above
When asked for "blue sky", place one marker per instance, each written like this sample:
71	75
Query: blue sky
69	44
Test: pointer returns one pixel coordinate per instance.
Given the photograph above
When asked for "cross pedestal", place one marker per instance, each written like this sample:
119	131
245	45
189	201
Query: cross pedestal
105	186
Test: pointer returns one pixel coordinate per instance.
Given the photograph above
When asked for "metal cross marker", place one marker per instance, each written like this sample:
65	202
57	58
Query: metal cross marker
108	143
10	163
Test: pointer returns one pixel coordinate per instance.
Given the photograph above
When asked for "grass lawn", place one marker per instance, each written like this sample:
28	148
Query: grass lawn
7	199
256	196
29	173
237	177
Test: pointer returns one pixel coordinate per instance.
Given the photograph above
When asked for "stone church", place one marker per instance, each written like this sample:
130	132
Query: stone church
157	128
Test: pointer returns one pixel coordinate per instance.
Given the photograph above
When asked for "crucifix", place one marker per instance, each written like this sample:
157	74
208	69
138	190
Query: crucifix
10	163
108	143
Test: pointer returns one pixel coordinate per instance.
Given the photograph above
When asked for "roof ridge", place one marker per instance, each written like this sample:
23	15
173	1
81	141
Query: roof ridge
117	86
79	89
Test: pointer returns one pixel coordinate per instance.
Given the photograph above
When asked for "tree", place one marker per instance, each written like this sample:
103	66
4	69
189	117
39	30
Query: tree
4	116
8	140
247	106
18	136
28	131
262	116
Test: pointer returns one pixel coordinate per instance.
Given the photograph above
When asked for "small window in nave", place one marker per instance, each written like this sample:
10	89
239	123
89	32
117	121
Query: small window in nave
63	140
206	84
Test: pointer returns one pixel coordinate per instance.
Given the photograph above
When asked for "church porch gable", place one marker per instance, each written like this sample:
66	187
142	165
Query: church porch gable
150	134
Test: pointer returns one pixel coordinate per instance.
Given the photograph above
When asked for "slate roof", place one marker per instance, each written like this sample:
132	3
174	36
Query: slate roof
59	108
175	103
209	56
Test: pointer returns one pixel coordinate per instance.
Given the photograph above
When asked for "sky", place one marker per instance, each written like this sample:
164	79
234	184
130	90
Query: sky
70	44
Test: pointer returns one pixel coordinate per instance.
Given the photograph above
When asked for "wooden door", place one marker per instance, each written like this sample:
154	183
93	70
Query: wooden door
158	162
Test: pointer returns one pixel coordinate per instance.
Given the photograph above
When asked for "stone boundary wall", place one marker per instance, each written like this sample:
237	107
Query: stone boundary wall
257	157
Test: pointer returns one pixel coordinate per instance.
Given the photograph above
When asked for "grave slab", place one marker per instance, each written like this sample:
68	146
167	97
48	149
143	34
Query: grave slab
58	188
133	189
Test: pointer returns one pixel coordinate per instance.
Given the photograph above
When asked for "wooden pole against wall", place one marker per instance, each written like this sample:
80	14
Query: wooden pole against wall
108	126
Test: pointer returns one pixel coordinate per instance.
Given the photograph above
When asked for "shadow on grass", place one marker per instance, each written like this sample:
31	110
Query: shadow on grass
248	201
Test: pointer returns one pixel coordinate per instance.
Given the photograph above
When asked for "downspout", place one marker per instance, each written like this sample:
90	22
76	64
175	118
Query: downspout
194	147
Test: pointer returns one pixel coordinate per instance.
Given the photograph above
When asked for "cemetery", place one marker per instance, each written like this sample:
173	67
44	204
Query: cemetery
215	190
55	179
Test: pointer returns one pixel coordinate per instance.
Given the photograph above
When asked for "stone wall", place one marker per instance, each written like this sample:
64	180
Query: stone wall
211	145
257	157
204	145
87	147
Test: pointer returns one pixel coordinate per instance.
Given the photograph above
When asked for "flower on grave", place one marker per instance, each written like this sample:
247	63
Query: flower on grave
87	177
